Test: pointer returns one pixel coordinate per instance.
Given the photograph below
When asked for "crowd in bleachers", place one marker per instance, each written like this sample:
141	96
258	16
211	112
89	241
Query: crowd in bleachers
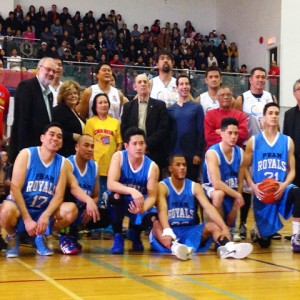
86	39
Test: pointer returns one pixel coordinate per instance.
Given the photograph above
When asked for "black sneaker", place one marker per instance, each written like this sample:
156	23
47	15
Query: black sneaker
264	242
3	244
276	236
243	231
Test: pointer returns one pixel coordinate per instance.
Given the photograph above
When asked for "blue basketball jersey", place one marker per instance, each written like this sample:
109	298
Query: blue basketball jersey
270	160
228	169
87	179
182	208
135	178
41	179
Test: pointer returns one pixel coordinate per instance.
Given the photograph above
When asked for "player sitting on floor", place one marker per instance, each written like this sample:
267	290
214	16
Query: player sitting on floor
177	205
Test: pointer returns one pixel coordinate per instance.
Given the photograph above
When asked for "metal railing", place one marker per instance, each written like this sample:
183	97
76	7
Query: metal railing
84	74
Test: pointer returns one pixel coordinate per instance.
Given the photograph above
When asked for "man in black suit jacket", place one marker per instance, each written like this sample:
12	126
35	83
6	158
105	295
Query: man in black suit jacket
150	115
32	110
291	127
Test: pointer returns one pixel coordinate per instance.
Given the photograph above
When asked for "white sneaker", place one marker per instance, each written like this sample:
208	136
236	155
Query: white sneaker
190	252
181	251
233	250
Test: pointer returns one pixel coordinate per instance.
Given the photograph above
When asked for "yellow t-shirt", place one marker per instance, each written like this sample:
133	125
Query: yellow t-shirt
106	135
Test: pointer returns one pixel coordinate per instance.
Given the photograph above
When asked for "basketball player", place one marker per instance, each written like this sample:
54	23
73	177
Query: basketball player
132	180
271	155
223	173
252	104
84	170
116	98
163	86
37	191
213	79
177	212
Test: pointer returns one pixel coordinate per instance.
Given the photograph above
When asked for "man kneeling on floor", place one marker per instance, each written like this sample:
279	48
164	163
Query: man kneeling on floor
177	205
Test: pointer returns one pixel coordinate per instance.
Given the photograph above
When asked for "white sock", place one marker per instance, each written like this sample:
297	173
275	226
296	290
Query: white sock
296	227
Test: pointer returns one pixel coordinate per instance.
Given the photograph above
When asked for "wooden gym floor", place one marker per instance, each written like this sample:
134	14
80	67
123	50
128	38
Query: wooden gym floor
272	273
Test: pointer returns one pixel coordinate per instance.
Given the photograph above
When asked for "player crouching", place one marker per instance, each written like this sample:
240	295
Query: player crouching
83	190
271	155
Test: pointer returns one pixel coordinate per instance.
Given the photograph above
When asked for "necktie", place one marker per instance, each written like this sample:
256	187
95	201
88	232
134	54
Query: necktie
50	100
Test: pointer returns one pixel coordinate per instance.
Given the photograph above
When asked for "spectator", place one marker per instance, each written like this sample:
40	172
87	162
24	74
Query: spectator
52	15
27	49
65	113
211	60
56	82
135	32
57	30
32	111
106	133
222	56
32	15
150	115
233	55
64	16
187	128
163	39
155	28
213	118
14	61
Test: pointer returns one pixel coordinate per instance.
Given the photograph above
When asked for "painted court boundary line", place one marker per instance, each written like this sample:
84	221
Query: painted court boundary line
161	288
49	280
137	278
275	265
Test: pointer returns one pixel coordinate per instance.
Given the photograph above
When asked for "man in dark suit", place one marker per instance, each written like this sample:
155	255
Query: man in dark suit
33	108
291	127
150	115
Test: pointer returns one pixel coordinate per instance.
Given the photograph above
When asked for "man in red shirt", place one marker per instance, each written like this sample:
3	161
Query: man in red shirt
213	118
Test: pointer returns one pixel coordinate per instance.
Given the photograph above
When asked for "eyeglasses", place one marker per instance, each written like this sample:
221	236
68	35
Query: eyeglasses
48	69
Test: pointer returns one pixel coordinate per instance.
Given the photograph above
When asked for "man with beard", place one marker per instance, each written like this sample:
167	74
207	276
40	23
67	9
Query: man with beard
33	106
163	86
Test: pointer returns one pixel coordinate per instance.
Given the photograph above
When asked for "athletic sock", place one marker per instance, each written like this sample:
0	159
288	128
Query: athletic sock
296	227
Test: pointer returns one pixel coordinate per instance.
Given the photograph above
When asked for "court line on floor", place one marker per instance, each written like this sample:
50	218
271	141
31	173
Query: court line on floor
223	292
137	278
49	280
274	265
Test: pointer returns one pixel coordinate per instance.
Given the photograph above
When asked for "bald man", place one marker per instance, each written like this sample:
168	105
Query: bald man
150	115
